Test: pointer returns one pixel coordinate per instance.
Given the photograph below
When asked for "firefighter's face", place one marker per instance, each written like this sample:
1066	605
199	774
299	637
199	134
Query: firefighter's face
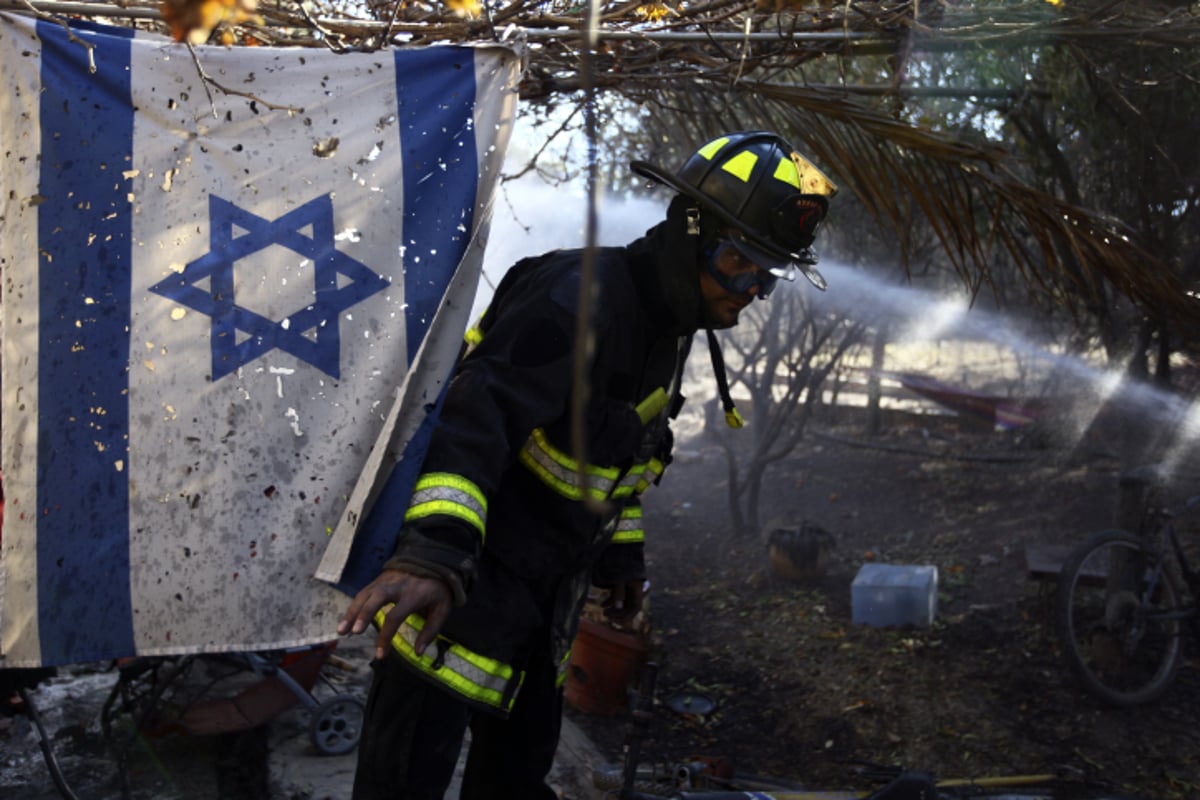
729	281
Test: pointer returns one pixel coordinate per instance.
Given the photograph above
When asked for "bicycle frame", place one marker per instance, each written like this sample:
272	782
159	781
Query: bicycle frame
1124	603
1188	609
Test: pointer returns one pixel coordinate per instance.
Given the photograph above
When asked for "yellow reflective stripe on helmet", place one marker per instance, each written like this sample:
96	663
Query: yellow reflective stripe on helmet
712	148
484	680
561	473
786	171
629	529
446	493
741	165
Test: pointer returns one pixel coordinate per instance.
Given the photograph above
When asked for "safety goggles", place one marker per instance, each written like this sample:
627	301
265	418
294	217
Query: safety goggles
745	279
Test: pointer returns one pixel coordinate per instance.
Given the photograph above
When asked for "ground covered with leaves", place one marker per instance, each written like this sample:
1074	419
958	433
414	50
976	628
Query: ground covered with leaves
800	691
803	693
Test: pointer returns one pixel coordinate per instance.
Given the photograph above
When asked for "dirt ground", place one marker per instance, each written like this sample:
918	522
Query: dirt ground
803	693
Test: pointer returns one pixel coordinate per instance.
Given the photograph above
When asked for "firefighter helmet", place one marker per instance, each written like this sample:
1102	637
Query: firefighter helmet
755	182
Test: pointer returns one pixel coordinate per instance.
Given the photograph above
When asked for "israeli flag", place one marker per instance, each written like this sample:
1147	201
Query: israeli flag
231	299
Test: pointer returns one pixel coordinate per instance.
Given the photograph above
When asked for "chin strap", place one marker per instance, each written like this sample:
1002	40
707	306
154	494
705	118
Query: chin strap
732	418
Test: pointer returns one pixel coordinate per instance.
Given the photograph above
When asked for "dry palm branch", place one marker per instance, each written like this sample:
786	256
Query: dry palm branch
677	57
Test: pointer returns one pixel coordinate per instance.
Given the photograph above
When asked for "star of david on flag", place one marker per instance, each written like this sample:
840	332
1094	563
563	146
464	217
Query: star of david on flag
309	333
223	333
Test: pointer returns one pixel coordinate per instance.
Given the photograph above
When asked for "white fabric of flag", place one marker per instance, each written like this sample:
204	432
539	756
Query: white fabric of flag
218	306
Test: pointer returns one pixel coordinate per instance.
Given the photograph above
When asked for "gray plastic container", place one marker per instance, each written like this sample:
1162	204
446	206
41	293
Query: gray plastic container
883	595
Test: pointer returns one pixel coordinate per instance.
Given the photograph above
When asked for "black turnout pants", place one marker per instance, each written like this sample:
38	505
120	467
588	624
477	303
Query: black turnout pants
414	731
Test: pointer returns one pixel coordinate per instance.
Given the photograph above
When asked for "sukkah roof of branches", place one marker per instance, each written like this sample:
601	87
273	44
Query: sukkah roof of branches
710	65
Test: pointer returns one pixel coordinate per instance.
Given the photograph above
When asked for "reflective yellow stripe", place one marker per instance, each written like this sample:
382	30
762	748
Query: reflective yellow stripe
629	529
652	406
639	477
449	494
712	148
476	677
560	472
741	165
564	667
786	171
474	334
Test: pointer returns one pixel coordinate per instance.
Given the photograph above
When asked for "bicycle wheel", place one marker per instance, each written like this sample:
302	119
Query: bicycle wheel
1116	620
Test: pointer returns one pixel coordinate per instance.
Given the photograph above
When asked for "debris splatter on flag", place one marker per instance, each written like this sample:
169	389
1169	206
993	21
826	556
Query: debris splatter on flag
218	306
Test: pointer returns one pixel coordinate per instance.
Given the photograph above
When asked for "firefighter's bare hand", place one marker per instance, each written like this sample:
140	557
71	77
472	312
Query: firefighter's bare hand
624	601
430	597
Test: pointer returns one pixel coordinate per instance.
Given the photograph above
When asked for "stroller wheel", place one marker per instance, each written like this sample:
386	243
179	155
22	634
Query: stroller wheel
337	725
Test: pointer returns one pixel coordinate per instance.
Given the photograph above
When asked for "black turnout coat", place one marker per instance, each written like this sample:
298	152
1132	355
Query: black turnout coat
499	511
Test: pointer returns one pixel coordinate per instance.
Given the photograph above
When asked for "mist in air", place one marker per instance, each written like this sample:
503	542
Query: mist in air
1079	390
532	217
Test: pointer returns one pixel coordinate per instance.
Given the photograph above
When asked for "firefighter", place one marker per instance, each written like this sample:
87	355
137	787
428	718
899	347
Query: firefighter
504	532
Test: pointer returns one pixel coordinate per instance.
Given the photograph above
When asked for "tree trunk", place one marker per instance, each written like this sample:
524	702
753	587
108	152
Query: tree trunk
874	390
749	494
736	517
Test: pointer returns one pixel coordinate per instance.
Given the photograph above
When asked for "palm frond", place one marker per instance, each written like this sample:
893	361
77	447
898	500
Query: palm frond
711	65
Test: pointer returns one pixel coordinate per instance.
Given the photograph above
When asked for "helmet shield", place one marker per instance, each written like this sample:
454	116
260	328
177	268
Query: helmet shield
782	266
779	266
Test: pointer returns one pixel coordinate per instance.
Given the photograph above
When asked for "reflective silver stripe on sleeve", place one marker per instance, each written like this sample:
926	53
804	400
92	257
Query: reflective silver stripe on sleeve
478	678
453	495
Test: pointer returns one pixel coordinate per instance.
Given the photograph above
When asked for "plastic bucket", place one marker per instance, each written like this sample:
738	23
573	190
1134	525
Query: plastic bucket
605	664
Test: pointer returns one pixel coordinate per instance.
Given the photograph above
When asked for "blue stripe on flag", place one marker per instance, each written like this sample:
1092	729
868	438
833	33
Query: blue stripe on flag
377	538
84	278
435	92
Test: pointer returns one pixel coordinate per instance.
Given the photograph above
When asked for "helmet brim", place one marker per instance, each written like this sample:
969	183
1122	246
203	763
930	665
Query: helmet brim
776	260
